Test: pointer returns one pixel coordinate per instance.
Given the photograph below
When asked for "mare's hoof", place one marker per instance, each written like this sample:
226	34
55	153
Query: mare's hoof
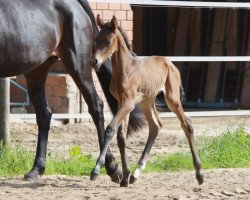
116	177
31	176
94	174
124	183
200	178
132	179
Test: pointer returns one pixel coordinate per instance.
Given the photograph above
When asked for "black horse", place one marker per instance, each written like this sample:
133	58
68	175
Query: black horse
34	34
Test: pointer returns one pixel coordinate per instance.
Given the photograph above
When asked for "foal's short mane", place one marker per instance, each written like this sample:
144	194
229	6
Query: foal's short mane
125	37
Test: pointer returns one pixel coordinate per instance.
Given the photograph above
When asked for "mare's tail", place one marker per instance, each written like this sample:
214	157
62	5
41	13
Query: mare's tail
137	119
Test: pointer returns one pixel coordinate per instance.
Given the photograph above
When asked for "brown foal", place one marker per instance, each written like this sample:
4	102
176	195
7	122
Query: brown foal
138	80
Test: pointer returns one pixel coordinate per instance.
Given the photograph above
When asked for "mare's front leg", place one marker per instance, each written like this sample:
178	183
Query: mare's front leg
82	76
126	107
36	89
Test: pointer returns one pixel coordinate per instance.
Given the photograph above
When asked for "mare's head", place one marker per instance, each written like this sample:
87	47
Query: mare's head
106	42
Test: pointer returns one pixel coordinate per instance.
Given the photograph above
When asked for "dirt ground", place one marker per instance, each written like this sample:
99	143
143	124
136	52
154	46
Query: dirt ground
219	183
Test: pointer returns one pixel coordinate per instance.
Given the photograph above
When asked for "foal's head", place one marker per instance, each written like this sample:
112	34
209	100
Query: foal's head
106	42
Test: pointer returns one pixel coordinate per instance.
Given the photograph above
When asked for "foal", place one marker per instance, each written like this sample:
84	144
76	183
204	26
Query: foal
138	80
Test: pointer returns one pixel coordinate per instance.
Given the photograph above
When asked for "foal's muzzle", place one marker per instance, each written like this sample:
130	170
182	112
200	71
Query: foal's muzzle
94	64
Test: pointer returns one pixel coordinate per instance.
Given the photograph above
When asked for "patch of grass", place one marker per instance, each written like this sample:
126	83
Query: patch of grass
77	164
229	150
15	160
18	161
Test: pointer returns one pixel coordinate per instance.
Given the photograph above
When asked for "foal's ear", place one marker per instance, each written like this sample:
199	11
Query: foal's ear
114	23
99	21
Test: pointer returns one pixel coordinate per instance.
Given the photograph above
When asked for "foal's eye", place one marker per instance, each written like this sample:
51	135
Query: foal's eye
106	50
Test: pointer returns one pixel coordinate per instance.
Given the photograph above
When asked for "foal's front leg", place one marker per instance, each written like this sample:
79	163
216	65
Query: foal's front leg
121	140
111	130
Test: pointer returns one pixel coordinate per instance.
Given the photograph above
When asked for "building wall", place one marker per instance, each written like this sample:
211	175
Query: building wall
200	32
62	93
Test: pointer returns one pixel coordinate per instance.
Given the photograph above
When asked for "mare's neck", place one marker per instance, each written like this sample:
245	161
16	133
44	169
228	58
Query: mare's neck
121	58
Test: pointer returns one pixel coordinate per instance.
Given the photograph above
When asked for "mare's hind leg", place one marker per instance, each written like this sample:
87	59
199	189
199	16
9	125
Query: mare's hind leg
155	125
174	104
36	88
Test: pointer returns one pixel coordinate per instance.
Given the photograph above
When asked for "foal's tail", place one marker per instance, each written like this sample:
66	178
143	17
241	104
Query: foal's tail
137	119
182	93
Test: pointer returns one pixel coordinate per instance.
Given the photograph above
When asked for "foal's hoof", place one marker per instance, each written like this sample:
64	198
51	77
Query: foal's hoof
94	174
116	177
124	183
132	179
200	178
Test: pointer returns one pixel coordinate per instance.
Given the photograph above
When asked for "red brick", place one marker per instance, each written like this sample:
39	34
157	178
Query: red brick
129	35
102	6
121	15
55	101
21	80
53	80
125	7
127	25
114	6
15	91
92	5
107	15
49	90
62	80
60	110
59	91
130	15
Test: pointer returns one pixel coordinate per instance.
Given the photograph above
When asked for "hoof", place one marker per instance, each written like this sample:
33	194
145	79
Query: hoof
132	179
116	177
94	174
200	178
124	183
31	176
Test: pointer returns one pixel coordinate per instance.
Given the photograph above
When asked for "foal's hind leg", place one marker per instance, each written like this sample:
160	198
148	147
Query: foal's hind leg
174	104
36	88
154	127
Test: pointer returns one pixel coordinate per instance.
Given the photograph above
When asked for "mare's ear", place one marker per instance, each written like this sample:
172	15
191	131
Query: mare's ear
114	23
99	21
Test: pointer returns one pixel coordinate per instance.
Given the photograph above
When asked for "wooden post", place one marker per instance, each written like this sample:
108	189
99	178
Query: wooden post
4	110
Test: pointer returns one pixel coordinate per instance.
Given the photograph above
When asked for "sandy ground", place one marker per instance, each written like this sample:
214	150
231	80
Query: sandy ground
219	183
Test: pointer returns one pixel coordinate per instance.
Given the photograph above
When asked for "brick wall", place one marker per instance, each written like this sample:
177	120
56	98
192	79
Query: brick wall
123	13
62	93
